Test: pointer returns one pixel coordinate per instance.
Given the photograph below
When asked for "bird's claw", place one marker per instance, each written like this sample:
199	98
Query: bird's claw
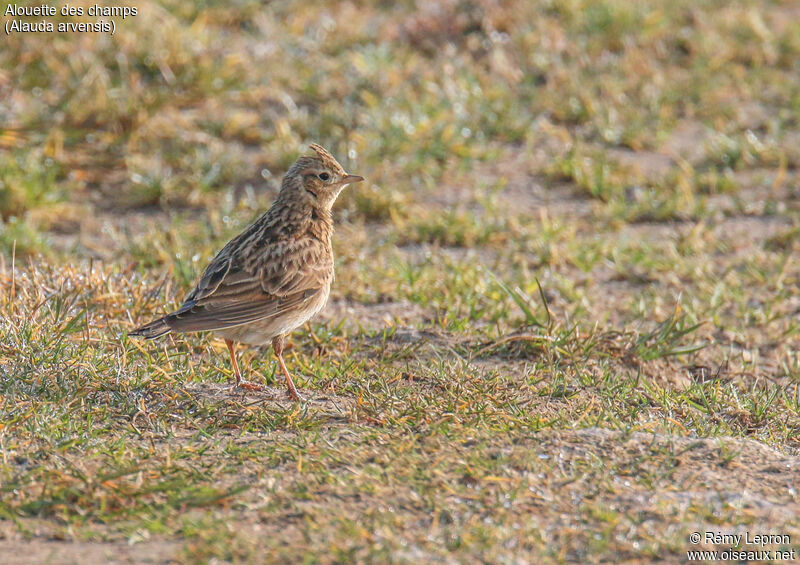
294	395
250	386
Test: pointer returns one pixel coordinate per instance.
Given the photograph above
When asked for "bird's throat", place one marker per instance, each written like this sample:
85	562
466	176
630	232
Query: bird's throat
321	222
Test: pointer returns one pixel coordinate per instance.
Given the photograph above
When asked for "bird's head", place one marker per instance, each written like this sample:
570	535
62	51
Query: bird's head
318	179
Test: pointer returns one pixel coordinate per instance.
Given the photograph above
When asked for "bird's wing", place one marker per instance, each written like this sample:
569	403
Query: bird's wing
234	291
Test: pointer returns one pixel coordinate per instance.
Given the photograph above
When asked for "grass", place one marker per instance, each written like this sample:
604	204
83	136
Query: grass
562	324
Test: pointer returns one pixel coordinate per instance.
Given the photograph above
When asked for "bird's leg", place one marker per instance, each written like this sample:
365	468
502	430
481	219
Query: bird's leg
236	372
239	382
277	346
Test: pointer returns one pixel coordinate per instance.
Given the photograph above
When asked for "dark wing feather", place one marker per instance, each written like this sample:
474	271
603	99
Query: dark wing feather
233	292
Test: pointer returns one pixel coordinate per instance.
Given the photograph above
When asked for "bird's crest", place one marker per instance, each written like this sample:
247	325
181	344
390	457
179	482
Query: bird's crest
326	157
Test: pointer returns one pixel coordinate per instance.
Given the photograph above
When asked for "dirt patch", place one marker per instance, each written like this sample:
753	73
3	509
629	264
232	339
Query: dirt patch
372	316
25	552
687	141
710	469
324	404
651	164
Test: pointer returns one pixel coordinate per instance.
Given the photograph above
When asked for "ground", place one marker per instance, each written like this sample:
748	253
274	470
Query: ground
563	326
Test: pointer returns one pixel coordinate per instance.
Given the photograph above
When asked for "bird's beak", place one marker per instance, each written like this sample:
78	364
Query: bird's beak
349	179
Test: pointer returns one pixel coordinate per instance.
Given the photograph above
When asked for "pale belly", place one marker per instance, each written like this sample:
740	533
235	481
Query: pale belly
261	332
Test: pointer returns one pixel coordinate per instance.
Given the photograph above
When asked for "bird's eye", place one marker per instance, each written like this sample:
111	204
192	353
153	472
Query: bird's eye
324	176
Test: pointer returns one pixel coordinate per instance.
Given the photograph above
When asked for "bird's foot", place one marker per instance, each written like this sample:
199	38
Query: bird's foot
250	386
294	395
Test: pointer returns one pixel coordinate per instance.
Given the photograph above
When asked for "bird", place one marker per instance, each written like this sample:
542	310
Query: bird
275	275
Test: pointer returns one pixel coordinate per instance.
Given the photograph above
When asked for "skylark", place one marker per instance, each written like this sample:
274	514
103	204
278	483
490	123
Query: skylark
275	275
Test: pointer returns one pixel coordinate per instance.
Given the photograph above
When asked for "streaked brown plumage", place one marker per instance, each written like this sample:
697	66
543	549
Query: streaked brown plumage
275	275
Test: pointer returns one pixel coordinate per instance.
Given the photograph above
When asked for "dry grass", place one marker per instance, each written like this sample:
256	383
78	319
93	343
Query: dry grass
562	328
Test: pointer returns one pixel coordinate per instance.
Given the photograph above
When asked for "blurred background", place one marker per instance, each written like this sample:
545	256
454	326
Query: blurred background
193	111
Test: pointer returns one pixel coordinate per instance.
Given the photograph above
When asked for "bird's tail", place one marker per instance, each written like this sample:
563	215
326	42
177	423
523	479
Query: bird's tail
152	330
